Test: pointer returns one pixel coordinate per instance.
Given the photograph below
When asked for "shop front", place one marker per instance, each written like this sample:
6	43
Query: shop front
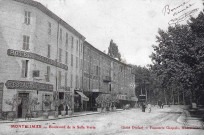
91	104
25	96
79	99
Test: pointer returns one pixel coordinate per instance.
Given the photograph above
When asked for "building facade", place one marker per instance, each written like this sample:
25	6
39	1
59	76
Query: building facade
104	74
41	56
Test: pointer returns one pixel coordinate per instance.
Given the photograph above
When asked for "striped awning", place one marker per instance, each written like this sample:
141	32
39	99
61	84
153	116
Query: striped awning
84	97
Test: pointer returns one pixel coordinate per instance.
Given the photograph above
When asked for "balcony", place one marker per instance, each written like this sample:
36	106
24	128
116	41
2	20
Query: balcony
107	79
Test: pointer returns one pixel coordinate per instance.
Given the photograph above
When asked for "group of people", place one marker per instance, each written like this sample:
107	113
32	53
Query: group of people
149	106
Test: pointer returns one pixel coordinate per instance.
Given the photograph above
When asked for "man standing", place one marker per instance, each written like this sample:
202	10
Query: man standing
143	107
159	103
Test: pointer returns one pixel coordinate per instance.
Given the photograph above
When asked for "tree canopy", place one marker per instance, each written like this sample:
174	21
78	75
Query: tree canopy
178	60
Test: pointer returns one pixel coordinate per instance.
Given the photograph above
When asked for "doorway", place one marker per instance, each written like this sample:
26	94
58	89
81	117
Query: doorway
24	106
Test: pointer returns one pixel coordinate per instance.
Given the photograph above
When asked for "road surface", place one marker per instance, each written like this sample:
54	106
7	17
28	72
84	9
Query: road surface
127	122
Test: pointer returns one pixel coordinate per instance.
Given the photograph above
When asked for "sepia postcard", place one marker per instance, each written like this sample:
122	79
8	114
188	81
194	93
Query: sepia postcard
101	67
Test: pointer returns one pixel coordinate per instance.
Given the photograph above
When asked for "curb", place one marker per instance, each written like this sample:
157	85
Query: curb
33	120
184	120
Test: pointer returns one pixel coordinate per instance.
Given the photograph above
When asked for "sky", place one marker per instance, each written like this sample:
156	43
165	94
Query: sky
132	24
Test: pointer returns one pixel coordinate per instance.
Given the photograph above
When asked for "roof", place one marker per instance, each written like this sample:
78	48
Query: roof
102	53
50	14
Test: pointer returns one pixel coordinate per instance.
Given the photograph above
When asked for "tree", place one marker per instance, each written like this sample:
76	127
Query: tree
178	59
113	50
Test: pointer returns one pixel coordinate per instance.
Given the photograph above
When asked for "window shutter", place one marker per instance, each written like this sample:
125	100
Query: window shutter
23	68
28	17
28	40
48	74
24	42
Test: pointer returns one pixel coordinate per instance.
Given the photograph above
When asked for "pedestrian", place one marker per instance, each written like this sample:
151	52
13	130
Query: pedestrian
149	106
143	107
169	103
159	103
162	105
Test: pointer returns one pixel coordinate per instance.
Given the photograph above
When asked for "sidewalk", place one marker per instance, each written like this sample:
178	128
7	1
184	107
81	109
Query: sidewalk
190	121
76	114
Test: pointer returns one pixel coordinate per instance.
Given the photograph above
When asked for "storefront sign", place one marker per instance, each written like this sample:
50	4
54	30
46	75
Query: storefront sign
66	88
29	55
28	85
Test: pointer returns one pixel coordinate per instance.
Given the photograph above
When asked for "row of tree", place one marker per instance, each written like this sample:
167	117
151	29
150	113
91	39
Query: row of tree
178	62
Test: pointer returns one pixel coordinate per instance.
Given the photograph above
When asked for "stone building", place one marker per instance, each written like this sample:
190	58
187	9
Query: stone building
40	55
104	74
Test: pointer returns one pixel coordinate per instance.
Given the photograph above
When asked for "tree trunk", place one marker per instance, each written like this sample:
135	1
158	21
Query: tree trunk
165	97
184	102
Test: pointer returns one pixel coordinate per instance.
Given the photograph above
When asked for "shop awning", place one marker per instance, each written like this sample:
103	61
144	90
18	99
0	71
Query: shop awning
84	97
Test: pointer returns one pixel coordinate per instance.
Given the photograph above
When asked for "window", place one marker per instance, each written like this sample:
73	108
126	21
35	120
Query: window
71	80
66	79
72	42
60	54
24	68
81	47
48	50
59	79
77	81
27	17
76	62
72	60
49	28
36	73
66	57
77	47
60	35
81	64
66	41
61	95
48	74
97	70
26	42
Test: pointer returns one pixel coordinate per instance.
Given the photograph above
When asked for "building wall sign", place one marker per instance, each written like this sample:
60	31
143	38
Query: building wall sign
29	55
28	85
66	88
